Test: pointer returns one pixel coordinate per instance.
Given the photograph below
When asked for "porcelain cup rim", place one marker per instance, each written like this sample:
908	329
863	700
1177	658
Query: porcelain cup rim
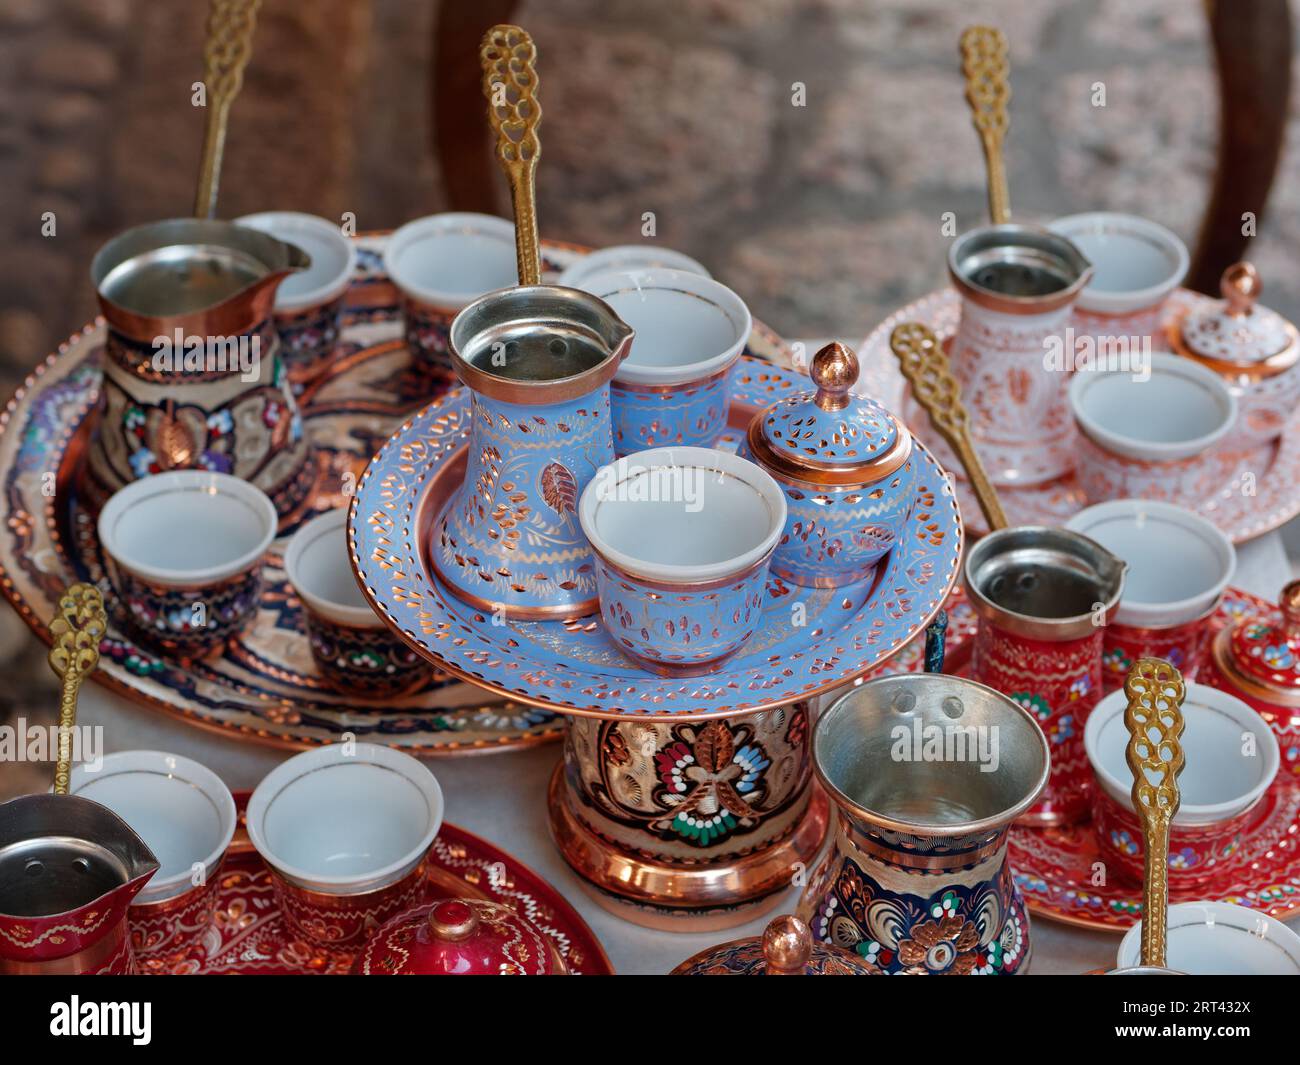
326	524
1242	919
428	228
1189	815
282	224
628	257
1144	614
1133	448
179	482
709	459
693	284
411	769
173	766
1112	302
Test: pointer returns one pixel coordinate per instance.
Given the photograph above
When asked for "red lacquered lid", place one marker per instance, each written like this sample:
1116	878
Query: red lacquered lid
1261	655
458	937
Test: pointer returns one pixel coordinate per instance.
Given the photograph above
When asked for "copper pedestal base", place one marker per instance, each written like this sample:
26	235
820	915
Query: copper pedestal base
702	898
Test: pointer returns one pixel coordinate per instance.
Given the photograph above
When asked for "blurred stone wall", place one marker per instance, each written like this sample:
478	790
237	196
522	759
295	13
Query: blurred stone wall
823	213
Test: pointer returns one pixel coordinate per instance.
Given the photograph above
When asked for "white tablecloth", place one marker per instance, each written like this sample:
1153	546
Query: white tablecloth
501	797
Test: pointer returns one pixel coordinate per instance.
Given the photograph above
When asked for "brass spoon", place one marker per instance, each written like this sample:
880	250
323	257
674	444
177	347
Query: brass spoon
926	368
988	91
74	654
507	55
1154	719
225	55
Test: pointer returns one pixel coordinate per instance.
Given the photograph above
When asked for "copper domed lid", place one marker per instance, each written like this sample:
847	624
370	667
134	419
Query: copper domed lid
830	436
1236	337
1260	656
785	948
459	937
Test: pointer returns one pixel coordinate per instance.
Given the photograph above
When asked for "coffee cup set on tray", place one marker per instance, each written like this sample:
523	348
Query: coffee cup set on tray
633	516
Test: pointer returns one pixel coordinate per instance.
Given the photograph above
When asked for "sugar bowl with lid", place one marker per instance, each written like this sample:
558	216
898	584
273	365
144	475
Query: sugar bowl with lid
844	464
1258	660
1254	349
459	937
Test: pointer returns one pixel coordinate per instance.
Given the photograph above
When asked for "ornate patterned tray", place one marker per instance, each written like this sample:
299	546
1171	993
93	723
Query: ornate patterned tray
264	686
1275	467
1055	867
572	665
248	936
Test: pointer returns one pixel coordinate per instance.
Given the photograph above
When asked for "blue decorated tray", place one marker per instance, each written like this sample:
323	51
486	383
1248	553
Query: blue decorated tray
263	687
573	666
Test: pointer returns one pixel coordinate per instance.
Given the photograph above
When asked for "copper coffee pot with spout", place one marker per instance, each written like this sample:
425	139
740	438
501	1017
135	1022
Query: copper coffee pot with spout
537	360
69	867
192	373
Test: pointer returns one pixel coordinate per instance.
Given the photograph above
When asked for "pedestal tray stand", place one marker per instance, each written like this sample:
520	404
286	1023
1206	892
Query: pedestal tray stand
680	801
1246	494
263	687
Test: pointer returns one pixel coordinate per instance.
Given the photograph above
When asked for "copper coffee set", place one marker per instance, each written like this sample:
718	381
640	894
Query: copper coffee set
607	504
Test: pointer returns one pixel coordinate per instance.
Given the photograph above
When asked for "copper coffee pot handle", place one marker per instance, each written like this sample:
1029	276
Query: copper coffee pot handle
988	91
1154	719
926	368
225	55
507	55
74	653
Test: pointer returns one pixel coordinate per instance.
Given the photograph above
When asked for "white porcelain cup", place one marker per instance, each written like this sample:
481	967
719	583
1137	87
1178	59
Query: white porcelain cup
1180	411
180	808
345	818
674	387
345	830
683	538
308	304
1137	264
626	257
441	263
351	645
1179	564
1221	939
184	552
1231	755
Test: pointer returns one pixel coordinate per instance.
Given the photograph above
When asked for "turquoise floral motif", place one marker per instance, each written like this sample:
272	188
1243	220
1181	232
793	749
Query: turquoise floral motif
1081	687
1123	842
1278	656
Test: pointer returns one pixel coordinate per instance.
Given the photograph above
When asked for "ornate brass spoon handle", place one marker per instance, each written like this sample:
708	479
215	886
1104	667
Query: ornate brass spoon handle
74	654
229	45
988	91
926	368
507	55
1154	718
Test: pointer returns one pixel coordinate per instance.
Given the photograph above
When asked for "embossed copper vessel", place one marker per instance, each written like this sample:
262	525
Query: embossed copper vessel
1018	284
927	773
192	372
539	360
1043	597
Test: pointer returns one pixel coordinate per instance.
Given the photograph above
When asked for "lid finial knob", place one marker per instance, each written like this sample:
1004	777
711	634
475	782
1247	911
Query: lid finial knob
1289	601
834	372
453	921
787	942
1240	286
